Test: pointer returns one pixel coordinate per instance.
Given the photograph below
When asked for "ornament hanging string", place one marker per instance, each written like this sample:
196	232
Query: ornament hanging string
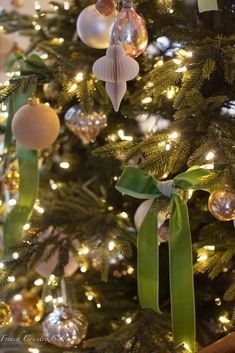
135	183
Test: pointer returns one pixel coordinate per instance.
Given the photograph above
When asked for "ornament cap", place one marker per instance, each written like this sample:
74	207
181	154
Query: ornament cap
33	101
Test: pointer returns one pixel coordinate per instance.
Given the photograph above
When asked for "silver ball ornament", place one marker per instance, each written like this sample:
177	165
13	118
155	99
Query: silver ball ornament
93	28
65	327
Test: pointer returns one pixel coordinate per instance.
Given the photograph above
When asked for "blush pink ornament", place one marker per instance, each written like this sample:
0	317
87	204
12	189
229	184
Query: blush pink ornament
129	30
115	68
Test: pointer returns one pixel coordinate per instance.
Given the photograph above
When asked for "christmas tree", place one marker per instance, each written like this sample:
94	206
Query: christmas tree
117	198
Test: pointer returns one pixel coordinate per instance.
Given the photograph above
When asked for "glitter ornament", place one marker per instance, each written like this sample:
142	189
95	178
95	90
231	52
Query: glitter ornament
93	28
6	46
64	327
86	126
221	204
129	30
115	68
105	7
5	314
35	125
11	181
27	309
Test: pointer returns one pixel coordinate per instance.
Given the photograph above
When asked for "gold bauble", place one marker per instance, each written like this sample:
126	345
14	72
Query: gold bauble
27	309
5	314
221	204
11	181
93	28
35	125
65	327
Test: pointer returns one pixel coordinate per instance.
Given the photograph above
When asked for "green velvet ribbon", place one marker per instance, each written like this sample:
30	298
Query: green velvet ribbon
135	183
28	169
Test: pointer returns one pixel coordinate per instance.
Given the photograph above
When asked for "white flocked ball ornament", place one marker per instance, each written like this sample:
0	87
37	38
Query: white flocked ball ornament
93	28
35	125
6	46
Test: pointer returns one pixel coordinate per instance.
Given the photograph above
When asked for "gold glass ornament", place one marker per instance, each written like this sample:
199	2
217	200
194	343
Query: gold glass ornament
129	30
93	28
11	180
105	7
5	314
65	327
221	204
27	309
86	126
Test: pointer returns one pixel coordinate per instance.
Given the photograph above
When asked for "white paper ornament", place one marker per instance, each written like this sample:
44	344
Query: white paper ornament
93	28
116	68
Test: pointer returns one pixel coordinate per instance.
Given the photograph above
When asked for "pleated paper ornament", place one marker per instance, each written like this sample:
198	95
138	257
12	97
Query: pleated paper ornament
115	68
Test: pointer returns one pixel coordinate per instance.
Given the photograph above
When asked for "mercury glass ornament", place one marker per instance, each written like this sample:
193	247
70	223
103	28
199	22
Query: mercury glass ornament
27	309
221	204
86	126
65	327
129	30
5	314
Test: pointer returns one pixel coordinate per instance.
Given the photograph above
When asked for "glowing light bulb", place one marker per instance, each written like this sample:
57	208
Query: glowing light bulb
224	320
73	87
26	226
11	279
174	135
210	155
15	255
147	100
111	245
79	77
181	69
64	165
128	320
203	257
83	269
209	247
38	282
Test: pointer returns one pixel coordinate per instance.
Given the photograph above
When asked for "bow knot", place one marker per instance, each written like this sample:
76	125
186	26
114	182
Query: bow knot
166	187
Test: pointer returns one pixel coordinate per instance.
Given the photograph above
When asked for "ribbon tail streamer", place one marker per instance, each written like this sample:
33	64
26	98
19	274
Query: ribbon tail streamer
148	263
28	169
181	275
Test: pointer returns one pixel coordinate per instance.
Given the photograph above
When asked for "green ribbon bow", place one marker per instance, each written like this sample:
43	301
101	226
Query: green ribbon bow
135	183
